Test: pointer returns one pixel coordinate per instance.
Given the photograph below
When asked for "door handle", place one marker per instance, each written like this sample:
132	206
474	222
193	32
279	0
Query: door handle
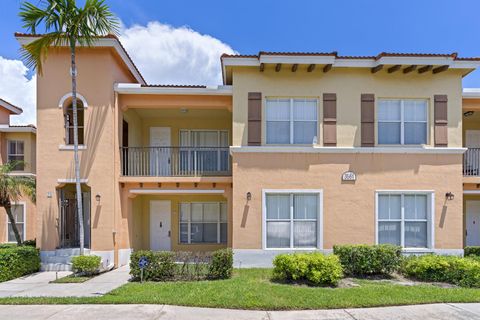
161	225
169	233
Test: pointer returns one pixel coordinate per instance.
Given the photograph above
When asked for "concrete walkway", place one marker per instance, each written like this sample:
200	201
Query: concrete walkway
140	312
38	285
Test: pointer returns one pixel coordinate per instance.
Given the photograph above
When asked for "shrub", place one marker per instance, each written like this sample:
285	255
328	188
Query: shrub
472	251
365	260
221	264
313	268
18	261
464	272
161	265
87	265
32	242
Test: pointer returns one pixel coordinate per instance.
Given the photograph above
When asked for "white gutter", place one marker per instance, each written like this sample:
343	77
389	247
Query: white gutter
18	129
471	93
135	88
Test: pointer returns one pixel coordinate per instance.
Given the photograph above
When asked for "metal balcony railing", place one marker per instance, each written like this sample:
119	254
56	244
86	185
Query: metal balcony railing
175	161
471	162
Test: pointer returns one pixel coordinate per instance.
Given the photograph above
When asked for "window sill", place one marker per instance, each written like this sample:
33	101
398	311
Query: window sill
292	249
64	147
417	250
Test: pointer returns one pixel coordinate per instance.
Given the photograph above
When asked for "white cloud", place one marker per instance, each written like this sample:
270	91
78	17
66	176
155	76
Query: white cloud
168	55
16	88
164	55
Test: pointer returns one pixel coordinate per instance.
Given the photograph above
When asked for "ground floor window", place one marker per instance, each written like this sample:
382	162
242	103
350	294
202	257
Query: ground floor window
203	222
18	211
405	219
291	220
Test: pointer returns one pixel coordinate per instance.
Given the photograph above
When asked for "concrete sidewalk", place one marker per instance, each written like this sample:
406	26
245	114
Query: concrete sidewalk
38	285
140	312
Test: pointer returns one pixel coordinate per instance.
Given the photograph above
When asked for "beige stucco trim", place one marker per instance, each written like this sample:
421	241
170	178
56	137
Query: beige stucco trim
319	149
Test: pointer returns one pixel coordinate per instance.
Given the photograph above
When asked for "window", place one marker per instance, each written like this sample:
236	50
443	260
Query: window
291	220
69	129
16	152
18	211
291	121
402	122
204	151
203	222
405	219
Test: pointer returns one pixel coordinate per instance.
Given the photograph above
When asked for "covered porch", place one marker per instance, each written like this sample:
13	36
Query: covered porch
179	217
180	135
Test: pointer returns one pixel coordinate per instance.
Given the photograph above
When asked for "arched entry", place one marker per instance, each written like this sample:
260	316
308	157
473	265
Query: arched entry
68	219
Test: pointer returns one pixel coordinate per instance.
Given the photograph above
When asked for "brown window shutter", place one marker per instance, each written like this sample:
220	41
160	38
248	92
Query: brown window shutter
368	120
441	120
329	119
254	118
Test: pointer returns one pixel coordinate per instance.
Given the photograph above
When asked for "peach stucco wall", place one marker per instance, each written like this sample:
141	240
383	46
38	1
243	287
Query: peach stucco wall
348	84
349	208
98	70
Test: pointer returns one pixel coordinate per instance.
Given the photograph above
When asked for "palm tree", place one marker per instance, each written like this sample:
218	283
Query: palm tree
65	24
12	187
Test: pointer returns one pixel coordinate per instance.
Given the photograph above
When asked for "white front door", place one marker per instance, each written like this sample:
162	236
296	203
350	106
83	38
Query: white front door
160	154
473	223
160	224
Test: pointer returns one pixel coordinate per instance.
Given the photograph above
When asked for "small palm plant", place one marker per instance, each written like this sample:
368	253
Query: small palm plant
12	188
65	24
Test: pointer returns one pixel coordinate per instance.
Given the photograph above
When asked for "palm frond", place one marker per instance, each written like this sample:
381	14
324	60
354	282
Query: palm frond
13	187
35	53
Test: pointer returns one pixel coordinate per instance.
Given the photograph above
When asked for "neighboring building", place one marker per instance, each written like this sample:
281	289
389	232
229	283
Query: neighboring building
295	151
18	143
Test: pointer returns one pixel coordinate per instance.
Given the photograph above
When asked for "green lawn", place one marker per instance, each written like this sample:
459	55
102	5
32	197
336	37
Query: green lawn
252	289
72	279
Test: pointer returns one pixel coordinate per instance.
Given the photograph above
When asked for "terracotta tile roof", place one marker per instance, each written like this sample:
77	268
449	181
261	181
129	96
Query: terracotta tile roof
22	126
108	36
173	86
453	55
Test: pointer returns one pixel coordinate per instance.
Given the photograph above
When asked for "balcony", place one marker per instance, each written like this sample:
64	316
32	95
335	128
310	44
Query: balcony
471	162
175	161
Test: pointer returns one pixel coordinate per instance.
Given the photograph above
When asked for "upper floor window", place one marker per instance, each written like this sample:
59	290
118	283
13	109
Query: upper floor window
291	121
16	152
69	129
402	121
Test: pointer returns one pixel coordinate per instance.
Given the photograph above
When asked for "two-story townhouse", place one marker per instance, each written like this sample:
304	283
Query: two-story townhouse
295	151
17	143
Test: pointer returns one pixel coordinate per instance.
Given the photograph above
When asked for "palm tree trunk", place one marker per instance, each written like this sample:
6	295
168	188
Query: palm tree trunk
75	146
8	208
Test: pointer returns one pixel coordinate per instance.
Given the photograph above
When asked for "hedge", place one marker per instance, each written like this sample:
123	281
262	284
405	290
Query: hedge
86	265
464	272
472	251
312	268
18	261
172	266
221	264
365	260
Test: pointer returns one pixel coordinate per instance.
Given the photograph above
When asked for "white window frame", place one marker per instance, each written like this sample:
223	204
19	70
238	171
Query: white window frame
402	121
319	192
291	120
189	131
16	154
24	204
430	217
189	222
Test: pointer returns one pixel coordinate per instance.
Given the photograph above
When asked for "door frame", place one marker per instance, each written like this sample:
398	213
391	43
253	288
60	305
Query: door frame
466	219
169	247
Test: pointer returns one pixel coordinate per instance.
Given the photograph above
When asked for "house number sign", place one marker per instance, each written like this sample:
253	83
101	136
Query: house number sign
349	176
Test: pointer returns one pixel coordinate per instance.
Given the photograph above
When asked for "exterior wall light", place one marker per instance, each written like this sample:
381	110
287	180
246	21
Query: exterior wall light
449	196
98	197
249	196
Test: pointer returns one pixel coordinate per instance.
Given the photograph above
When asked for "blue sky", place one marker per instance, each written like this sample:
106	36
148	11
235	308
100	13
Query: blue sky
351	27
